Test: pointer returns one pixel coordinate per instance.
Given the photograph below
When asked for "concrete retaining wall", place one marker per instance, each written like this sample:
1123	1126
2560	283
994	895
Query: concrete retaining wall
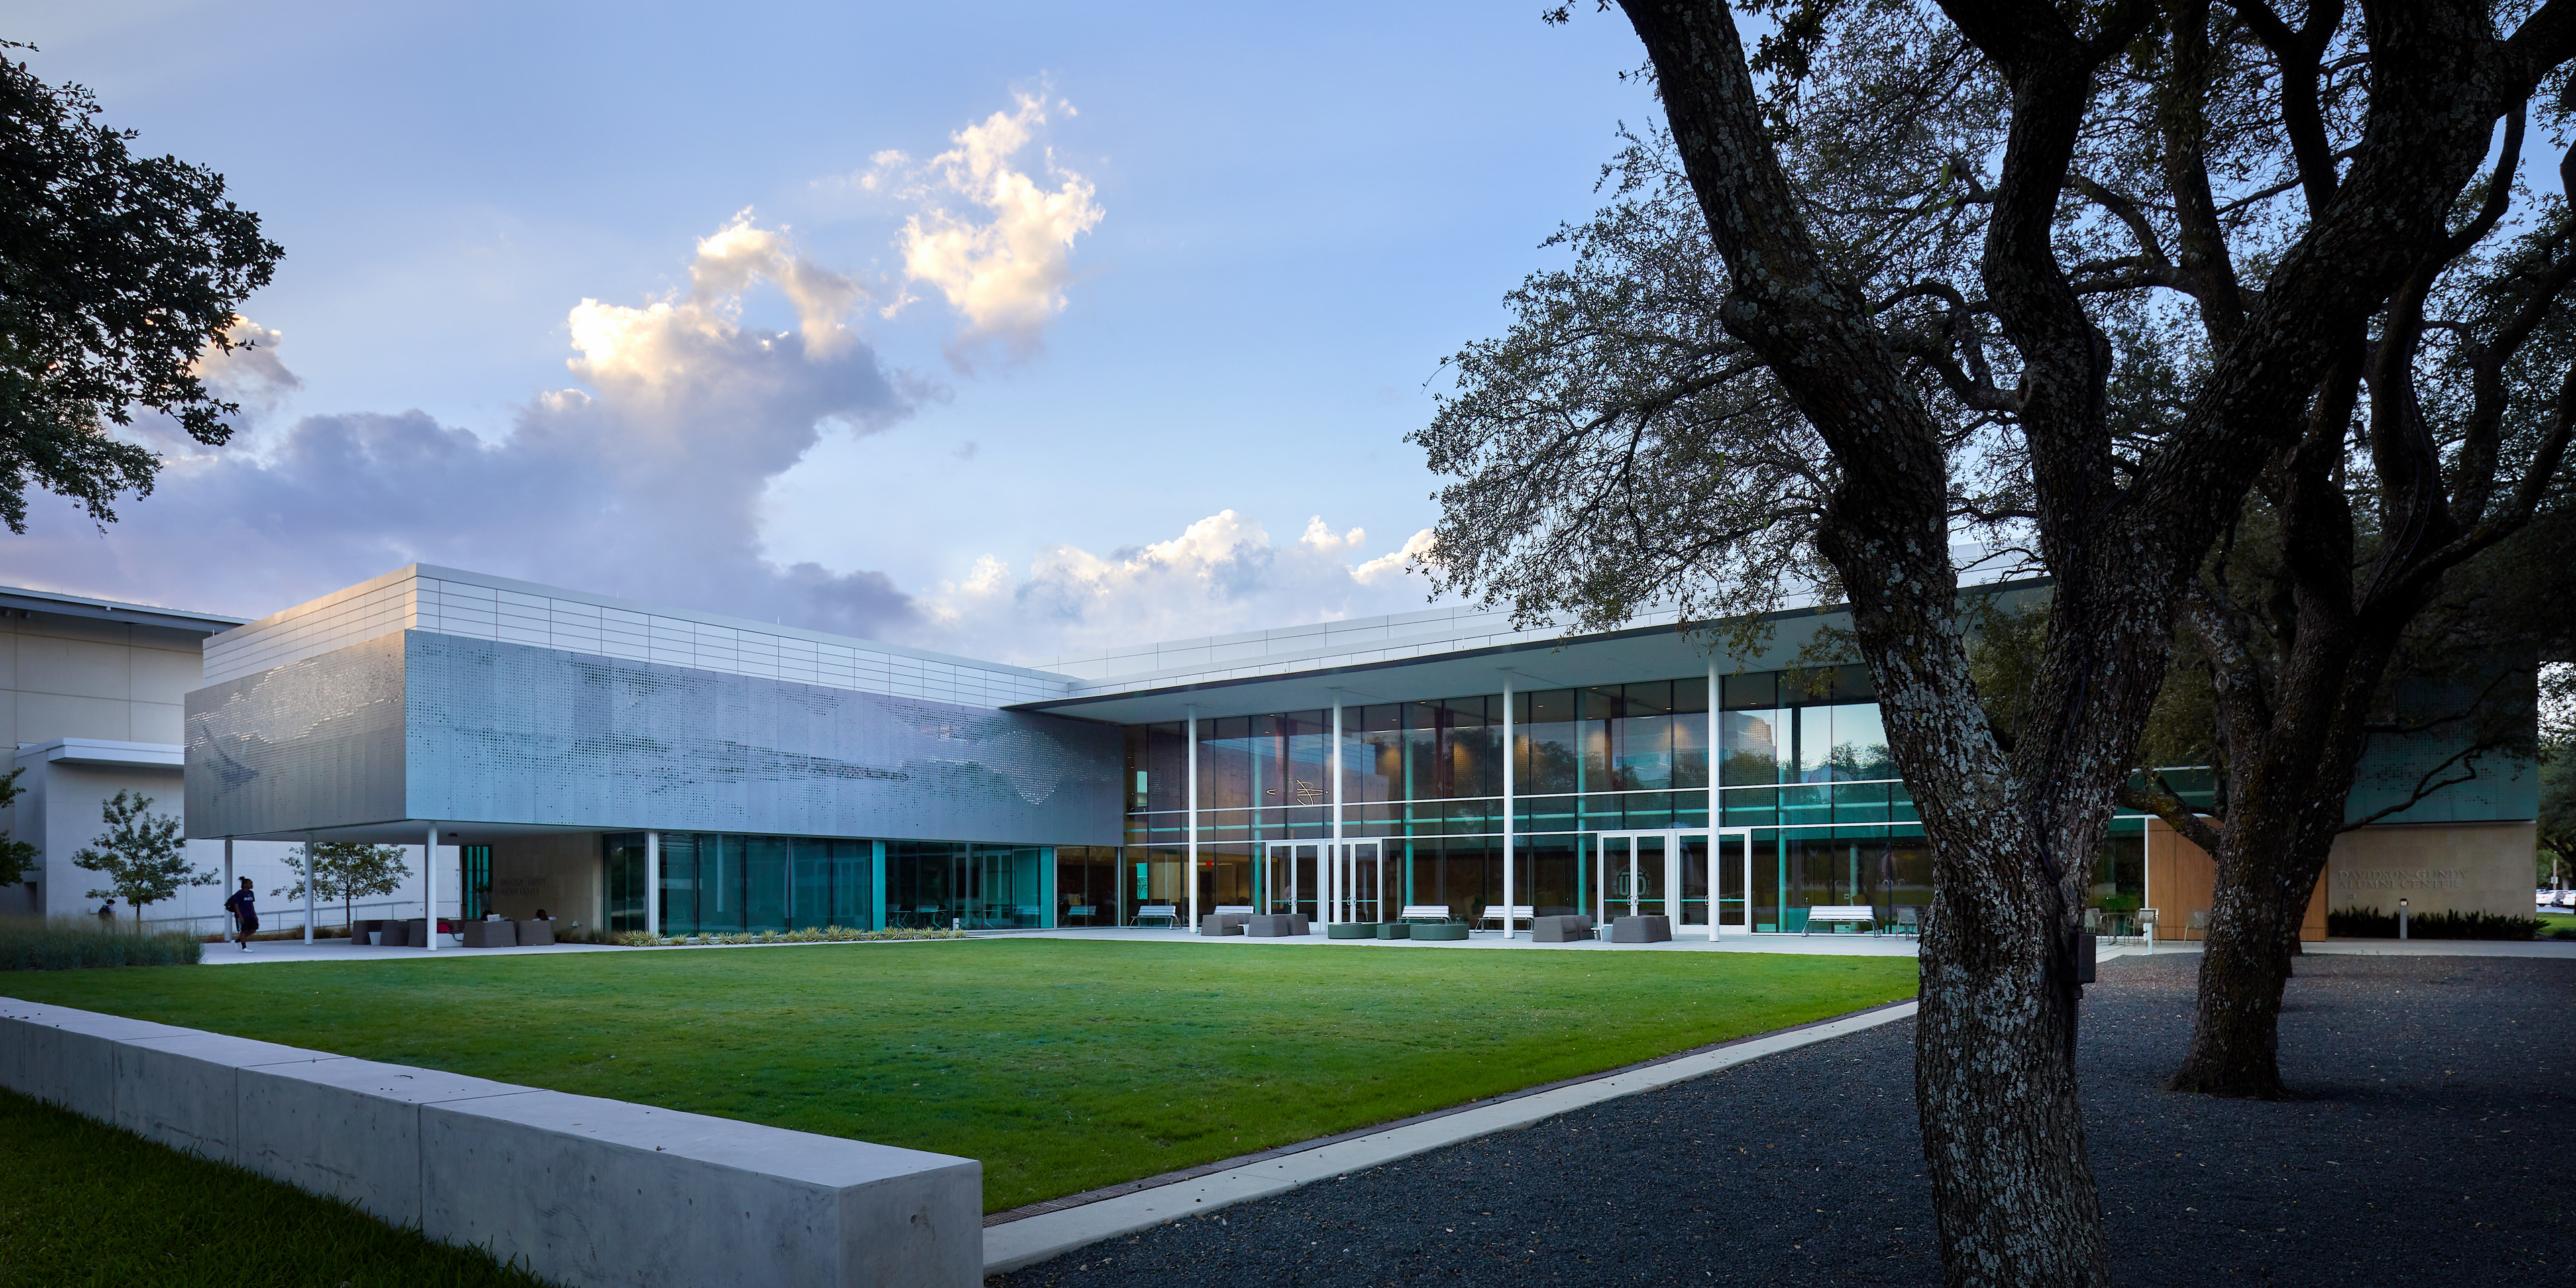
578	1189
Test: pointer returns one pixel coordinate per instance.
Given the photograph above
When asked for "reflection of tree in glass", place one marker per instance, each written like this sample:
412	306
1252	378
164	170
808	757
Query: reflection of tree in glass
1551	766
1861	762
1749	769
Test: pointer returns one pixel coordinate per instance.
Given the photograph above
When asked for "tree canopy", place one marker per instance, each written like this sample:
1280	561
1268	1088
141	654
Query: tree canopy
116	272
141	854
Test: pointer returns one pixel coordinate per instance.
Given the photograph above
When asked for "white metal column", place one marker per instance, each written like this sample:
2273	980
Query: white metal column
1508	896
310	863
1330	879
1716	819
653	883
1193	732
428	887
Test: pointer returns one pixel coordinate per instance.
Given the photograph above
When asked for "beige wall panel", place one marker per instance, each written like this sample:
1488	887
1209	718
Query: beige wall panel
164	676
157	722
64	626
2181	877
75	667
560	874
9	654
2435	867
43	717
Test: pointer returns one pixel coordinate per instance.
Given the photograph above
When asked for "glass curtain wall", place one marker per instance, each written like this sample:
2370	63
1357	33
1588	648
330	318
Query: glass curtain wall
724	883
939	884
1802	756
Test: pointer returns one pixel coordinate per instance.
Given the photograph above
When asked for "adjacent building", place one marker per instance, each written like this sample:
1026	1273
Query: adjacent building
92	694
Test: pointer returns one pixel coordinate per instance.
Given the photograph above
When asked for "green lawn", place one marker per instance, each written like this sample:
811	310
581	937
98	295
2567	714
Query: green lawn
82	1203
1063	1065
2553	922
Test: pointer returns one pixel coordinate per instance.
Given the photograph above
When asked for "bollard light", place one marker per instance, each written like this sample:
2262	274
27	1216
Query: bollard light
2401	919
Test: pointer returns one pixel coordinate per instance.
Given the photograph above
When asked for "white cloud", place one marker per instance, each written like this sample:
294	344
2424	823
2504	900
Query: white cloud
1222	574
1004	272
250	374
645	483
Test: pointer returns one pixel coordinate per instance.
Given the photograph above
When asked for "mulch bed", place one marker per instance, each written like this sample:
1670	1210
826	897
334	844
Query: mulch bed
2429	1144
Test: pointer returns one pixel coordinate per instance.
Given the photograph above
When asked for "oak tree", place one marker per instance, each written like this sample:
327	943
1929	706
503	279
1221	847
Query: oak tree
2062	274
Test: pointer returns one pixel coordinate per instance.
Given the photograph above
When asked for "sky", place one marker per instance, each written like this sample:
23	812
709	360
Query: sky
999	329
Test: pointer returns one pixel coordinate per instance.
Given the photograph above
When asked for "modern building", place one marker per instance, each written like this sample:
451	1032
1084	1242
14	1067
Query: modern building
638	767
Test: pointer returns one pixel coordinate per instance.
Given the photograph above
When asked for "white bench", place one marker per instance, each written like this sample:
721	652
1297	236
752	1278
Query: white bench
1424	912
1518	912
1860	913
1235	910
1170	914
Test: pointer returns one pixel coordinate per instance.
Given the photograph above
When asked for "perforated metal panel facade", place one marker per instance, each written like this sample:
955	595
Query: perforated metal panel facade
312	744
484	731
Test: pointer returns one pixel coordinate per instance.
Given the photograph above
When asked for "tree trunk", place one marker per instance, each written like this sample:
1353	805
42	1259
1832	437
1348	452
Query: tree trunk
1995	1092
2235	1037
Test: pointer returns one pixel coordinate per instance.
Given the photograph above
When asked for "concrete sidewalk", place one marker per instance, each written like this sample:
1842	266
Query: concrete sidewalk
1733	942
341	950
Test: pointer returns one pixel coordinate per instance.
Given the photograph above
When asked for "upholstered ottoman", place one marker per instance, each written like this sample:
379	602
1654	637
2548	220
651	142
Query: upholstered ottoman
1560	930
1394	930
1273	925
490	934
1641	930
1222	923
1443	930
1351	930
534	933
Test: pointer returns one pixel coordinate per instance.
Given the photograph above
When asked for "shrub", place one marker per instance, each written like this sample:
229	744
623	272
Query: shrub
2371	923
74	943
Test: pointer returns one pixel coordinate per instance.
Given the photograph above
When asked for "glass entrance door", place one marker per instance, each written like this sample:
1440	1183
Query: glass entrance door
1639	872
1694	874
1361	891
1287	881
1733	861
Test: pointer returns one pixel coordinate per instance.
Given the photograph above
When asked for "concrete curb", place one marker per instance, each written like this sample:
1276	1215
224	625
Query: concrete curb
577	1189
1033	1239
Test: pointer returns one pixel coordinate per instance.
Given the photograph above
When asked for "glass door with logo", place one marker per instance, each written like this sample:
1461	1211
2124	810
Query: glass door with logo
1638	875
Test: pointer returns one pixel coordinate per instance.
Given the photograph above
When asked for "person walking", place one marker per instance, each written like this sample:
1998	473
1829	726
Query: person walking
245	914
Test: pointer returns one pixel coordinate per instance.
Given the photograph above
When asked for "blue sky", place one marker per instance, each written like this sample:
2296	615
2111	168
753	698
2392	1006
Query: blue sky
1267	227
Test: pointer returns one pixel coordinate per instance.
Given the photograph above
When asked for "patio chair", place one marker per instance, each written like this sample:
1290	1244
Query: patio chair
1909	921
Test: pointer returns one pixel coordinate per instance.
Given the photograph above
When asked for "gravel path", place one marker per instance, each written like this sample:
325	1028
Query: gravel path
2432	1143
